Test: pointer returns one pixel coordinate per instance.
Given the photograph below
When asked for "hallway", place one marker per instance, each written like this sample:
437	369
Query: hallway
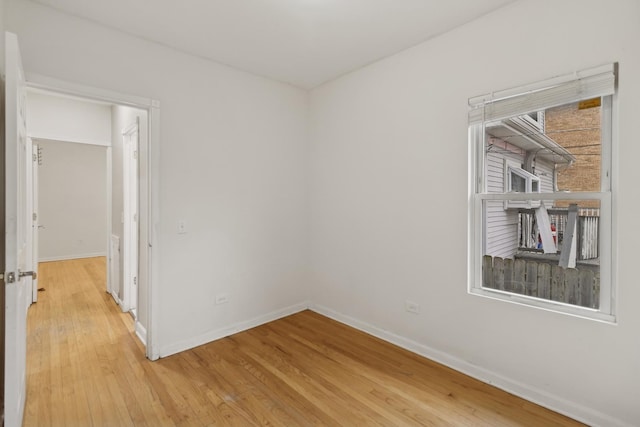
84	364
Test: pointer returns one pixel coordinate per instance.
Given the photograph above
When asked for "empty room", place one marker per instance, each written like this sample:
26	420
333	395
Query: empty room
359	212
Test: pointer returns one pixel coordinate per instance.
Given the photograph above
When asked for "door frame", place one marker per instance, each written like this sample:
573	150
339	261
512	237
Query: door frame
35	223
30	260
148	184
130	234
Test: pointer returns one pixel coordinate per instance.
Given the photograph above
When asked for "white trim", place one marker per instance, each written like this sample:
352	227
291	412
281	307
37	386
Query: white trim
543	196
74	256
109	215
114	294
611	109
39	81
548	400
153	228
141	333
210	336
130	240
544	304
34	171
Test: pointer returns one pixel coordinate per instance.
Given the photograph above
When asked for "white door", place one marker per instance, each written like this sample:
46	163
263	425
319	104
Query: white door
130	138
16	223
35	225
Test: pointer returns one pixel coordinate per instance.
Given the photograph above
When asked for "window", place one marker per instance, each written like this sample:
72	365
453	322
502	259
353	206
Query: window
536	118
522	181
540	194
518	180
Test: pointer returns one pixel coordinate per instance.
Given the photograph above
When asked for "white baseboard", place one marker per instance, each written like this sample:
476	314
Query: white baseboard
69	257
114	294
141	333
555	403
230	330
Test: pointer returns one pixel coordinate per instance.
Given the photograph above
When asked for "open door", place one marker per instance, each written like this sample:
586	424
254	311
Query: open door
2	252
17	291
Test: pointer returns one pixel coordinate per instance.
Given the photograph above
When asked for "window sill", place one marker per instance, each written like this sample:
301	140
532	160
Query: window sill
546	305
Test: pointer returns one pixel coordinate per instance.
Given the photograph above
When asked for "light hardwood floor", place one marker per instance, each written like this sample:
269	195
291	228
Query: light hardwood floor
86	368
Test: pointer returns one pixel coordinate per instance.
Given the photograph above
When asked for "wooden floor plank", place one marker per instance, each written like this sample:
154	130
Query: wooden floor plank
86	367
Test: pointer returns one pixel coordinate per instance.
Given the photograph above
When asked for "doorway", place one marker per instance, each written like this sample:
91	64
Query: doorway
130	130
17	165
88	186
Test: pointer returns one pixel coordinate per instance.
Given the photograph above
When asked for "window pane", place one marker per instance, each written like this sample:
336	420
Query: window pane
577	128
563	148
518	183
549	250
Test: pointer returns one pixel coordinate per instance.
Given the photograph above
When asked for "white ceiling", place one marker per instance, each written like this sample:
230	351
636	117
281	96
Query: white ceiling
302	42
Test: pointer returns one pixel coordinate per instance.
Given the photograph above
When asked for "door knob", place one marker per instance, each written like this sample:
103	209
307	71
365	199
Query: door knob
33	274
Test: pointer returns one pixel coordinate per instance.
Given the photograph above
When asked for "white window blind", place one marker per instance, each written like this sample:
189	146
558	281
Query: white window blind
587	84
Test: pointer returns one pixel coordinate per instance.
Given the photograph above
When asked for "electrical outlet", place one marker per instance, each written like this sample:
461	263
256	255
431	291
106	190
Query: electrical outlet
182	227
412	307
222	299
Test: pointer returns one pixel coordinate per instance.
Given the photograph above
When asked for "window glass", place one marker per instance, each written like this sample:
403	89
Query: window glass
518	183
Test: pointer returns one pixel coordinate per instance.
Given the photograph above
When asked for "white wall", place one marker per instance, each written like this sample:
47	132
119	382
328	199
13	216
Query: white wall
75	223
2	29
232	165
67	119
389	205
72	200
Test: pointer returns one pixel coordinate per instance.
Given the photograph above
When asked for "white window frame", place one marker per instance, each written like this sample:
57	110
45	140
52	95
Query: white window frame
528	177
511	167
596	82
539	123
